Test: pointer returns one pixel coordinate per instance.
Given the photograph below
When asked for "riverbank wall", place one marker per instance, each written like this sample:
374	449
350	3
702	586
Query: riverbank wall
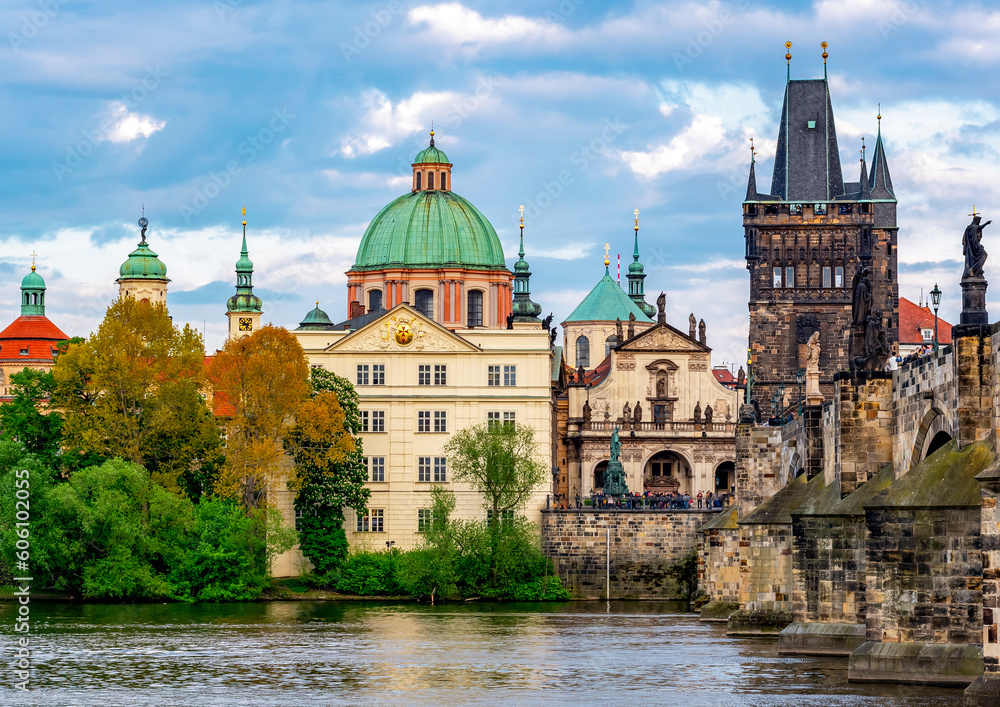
868	527
651	552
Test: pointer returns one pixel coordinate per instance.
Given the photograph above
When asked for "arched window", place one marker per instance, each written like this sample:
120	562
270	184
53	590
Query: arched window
27	298
374	300
582	351
418	179
475	308
430	180
444	183
34	297
424	302
608	343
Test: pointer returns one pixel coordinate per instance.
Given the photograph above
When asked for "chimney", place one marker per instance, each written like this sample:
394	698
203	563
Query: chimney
355	309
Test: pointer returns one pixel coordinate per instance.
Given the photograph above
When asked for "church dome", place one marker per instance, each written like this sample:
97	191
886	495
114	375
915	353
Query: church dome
32	281
316	320
430	229
143	264
431	155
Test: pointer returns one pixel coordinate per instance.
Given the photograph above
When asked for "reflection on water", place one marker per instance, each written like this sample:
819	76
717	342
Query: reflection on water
297	653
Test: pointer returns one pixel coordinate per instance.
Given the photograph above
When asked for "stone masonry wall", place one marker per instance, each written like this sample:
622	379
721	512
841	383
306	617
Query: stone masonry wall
866	426
828	575
758	466
976	388
923	391
645	548
924	568
719	560
990	528
766	567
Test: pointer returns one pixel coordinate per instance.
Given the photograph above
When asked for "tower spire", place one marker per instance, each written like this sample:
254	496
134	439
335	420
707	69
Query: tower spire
788	58
523	308
244	308
880	181
636	275
825	55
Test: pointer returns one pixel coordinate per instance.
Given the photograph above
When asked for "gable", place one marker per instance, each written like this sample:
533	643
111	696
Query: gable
402	329
663	337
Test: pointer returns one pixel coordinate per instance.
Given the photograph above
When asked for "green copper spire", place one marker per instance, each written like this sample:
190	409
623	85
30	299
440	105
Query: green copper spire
524	309
636	288
32	293
244	300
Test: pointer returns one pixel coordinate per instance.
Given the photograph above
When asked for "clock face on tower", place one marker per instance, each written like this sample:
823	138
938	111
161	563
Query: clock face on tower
246	324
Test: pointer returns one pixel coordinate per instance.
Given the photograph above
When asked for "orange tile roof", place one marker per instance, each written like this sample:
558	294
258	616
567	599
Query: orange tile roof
724	376
913	318
30	338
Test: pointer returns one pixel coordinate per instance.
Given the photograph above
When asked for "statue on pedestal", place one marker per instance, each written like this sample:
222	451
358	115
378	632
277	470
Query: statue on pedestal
614	476
697	412
619	334
972	247
631	324
586	411
813	396
708	414
626	412
973	280
637	413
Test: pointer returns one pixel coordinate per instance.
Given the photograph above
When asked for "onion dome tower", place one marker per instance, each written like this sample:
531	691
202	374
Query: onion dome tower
435	251
636	276
244	308
316	320
30	341
524	309
143	277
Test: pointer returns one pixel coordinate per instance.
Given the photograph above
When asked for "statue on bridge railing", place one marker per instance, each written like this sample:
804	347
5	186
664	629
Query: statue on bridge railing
614	476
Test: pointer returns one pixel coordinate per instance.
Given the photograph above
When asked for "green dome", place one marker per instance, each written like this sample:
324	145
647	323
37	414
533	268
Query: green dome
431	155
430	229
32	281
316	320
142	264
244	303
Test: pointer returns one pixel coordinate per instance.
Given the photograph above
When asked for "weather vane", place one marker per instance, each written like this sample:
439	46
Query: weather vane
144	224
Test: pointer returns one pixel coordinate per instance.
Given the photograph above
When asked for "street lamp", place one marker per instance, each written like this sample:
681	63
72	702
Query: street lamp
781	401
800	378
936	301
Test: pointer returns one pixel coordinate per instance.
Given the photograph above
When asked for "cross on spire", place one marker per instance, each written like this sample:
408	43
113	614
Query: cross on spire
33	256
636	212
521	210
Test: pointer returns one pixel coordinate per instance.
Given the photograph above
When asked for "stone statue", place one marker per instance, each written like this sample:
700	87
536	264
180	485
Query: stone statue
697	412
812	354
586	411
631	324
510	320
627	411
661	388
619	334
708	414
637	412
876	345
861	304
692	325
547	322
614	476
972	247
552	337
661	309
701	333
579	374
616	445
741	377
607	411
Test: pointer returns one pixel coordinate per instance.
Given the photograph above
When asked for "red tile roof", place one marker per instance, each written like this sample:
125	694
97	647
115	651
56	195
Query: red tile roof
913	318
724	376
30	338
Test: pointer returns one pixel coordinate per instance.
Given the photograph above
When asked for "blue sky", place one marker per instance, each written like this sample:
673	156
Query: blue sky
310	112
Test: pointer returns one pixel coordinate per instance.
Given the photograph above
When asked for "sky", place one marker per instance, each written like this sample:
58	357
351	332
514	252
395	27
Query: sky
310	113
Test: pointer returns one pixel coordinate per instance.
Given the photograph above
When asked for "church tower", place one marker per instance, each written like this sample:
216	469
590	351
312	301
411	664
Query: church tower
244	308
636	277
143	277
806	240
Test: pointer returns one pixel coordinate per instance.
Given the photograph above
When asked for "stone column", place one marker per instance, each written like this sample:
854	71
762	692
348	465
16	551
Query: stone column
975	375
985	691
865	405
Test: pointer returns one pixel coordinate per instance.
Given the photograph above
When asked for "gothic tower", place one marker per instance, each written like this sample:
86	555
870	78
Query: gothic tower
244	308
806	240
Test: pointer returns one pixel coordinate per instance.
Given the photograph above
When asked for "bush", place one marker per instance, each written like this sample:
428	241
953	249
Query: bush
369	574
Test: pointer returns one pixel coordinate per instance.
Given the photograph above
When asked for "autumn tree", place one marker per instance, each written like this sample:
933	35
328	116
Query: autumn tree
330	475
262	378
133	390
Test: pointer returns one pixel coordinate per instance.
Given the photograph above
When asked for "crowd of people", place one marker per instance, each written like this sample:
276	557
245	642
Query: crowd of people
646	501
895	362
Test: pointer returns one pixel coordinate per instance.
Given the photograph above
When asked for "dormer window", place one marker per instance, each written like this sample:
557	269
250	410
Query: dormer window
928	334
24	351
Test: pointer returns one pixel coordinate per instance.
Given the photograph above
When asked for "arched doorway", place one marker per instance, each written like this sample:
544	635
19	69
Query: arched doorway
725	477
665	472
939	440
599	472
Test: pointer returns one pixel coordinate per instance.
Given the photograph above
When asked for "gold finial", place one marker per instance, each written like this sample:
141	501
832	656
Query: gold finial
862	150
521	210
974	214
753	152
788	53
636	212
607	259
244	214
879	116
825	55
33	256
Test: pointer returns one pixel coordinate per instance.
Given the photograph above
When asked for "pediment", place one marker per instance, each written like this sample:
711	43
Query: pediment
402	330
663	337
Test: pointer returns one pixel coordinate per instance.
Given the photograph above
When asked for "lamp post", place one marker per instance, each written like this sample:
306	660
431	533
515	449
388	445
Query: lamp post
781	401
936	301
800	378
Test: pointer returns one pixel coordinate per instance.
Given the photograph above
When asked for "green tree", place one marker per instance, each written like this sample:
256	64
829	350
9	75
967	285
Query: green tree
500	462
324	380
25	418
132	390
330	475
431	569
24	483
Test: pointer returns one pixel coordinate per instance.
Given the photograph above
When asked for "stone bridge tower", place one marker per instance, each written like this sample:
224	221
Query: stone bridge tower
806	240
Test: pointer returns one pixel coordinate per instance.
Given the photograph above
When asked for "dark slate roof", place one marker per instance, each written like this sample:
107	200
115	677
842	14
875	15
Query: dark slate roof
358	322
881	182
807	160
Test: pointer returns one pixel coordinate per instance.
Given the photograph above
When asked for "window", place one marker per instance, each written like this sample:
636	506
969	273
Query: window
373	420
24	351
475	307
440	421
418	180
495	418
506	517
423	374
374	300
298	519
440	470
423	520
838	276
372	521
423	468
819	209
928	334
790	276
378	374
432	469
440	374
430	180
375	466
444	184
424	303
423	421
610	342
845	208
795	209
493	375
510	375
362	378
827	276
582	351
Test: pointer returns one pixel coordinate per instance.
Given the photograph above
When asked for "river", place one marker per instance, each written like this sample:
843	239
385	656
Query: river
332	653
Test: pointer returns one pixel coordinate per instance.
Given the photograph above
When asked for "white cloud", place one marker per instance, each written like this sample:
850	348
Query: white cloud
386	123
684	151
453	23
127	126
